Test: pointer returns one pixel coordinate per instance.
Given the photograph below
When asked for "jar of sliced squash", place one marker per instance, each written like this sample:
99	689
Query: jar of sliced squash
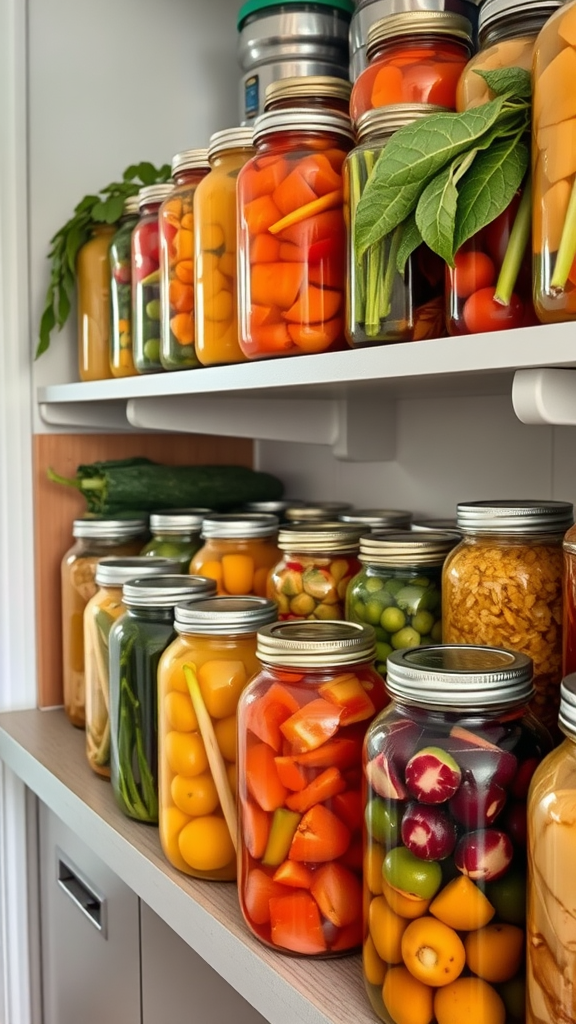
239	551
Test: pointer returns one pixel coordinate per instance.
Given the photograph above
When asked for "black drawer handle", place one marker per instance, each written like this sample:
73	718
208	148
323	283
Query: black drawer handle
91	903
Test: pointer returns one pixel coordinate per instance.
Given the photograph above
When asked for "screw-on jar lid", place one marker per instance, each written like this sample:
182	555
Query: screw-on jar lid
308	644
178	520
406	548
492	12
108	529
275	508
130	206
458	676
220	616
239	525
190	160
425	525
321	511
229	138
417	23
166	591
381	518
302	119
322	538
256	6
387	120
319	86
518	517
115	572
567	714
154	193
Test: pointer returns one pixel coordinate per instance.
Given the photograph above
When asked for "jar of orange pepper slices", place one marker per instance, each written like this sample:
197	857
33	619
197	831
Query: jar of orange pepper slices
292	235
301	723
176	225
238	552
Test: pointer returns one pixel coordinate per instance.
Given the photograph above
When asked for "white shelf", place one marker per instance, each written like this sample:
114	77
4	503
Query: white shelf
48	754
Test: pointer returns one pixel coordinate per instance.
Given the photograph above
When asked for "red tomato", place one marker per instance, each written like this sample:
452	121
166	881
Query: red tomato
482	313
472	271
147	241
143	266
122	273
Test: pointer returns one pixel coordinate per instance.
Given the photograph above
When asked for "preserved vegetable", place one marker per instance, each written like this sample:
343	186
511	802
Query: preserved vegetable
146	279
121	359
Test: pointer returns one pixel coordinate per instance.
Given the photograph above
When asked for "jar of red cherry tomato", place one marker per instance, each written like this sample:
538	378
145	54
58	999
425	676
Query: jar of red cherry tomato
176	226
146	279
301	724
413	57
321	91
318	561
292	235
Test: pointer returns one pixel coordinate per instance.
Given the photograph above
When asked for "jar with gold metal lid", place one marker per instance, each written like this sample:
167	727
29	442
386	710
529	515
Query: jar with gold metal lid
321	91
318	512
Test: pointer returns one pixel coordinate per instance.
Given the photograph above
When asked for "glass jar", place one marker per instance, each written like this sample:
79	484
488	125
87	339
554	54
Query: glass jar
317	563
301	723
239	550
93	296
554	168
320	91
383	305
136	643
319	512
292	236
447	767
146	279
216	279
200	679
398	589
413	57
275	508
378	518
551	964
502	586
434	524
176	534
94	539
121	360
100	615
569	620
176	225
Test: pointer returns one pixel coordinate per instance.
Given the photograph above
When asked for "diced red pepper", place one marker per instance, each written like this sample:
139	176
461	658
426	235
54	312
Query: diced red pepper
338	893
320	836
296	925
262	778
347	693
259	890
322	788
266	714
295	875
256	829
290	774
312	725
341	752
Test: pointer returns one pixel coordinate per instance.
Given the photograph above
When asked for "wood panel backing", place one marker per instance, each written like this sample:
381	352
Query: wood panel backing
55	508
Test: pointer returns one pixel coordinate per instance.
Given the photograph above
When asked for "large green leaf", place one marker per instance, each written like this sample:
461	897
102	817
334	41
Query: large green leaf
436	213
410	239
508	82
489	186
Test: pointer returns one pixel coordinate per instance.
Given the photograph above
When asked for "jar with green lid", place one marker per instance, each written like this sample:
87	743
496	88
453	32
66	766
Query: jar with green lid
94	539
378	518
121	360
146	310
136	643
176	534
318	561
398	589
100	615
384	304
316	512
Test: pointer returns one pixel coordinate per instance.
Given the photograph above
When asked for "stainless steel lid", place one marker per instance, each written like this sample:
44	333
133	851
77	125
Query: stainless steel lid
154	193
378	517
320	511
323	538
387	120
130	206
319	86
406	548
302	119
229	138
458	676
518	517
315	644
109	529
420	525
166	591
276	508
178	520
417	23
567	714
492	12
220	616
115	572
235	525
190	160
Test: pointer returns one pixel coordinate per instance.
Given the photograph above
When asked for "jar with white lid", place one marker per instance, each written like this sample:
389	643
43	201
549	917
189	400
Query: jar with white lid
238	552
176	534
318	561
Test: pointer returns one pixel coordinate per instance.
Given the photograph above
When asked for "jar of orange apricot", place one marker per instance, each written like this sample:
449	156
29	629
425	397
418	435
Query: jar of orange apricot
200	679
239	551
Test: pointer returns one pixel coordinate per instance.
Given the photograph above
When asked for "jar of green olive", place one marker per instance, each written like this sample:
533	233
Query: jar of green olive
176	534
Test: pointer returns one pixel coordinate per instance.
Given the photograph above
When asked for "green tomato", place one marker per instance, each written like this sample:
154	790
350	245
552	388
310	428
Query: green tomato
421	581
410	599
152	350
383	821
373	612
422	622
411	875
392	619
393	586
508	896
373	584
513	994
164	549
436	632
406	637
153	309
382	635
359	611
382	651
425	641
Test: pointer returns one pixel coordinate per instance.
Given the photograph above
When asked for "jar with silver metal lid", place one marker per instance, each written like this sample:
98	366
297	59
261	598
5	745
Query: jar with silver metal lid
136	643
238	552
301	724
119	256
318	561
100	615
385	304
551	957
378	518
146	279
291	240
94	539
321	91
276	508
447	767
200	679
398	589
319	512
420	525
502	586
176	534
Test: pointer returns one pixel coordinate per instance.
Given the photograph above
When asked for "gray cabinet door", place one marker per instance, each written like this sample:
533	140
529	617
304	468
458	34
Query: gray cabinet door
89	933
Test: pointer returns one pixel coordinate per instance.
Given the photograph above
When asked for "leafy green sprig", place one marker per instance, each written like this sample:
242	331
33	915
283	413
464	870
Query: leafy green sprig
104	208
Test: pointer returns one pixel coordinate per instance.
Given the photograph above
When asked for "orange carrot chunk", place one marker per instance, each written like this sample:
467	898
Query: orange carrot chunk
262	778
271	338
264	249
388	87
318	173
260	315
316	337
276	284
260	214
256	828
322	788
338	893
296	875
329	224
314	305
259	890
295	924
342	752
290	774
293	193
320	837
264	177
311	725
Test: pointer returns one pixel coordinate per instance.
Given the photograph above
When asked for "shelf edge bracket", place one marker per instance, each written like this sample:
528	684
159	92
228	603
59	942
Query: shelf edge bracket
546	395
366	429
102	416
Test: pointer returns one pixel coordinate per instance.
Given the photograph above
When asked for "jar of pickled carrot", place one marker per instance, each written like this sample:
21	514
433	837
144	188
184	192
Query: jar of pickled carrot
100	615
318	561
176	224
239	551
382	304
146	279
413	57
554	167
121	360
93	295
215	218
321	91
292	234
301	723
200	679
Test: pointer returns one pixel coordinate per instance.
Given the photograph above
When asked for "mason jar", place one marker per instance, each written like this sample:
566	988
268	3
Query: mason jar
446	772
136	643
200	679
146	311
238	552
318	561
93	300
176	534
275	508
317	512
301	723
378	518
321	91
121	359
